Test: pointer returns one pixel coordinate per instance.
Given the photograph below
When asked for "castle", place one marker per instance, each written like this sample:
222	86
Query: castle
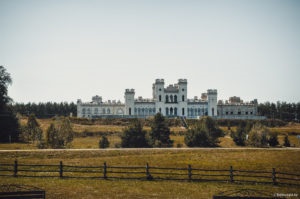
171	101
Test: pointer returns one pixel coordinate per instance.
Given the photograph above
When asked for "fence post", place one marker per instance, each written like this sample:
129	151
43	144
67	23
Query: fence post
190	172
104	170
61	169
231	174
148	175
16	168
274	176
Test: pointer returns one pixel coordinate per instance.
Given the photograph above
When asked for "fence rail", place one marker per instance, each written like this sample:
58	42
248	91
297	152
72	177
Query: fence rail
148	172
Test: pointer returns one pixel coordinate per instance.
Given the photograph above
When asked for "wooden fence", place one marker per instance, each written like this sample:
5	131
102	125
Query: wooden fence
148	172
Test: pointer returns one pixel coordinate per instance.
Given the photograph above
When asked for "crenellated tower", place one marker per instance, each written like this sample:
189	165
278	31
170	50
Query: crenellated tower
212	98
129	101
182	97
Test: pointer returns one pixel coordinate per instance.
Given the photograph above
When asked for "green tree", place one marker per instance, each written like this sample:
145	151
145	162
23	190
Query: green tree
134	136
258	136
60	133
239	136
32	131
9	125
103	143
160	132
286	141
204	134
52	137
273	139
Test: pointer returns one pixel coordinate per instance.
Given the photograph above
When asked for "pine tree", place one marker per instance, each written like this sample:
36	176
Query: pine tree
160	132
134	136
103	143
286	141
32	131
273	139
60	133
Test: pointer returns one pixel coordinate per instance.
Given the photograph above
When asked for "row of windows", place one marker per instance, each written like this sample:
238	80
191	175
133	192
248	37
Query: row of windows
171	98
197	111
239	113
171	111
97	111
144	111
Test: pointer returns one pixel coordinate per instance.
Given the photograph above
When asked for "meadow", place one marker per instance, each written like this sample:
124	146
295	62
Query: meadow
87	137
286	160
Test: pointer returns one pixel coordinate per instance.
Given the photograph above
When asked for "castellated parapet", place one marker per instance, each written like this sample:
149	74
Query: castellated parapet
159	81
129	90
212	92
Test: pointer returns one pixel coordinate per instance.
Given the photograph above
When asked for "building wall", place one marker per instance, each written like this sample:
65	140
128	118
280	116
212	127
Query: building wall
171	101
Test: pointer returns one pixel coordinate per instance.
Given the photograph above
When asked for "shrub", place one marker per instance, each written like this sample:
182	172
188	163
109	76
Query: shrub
204	134
258	136
60	133
103	143
286	141
273	139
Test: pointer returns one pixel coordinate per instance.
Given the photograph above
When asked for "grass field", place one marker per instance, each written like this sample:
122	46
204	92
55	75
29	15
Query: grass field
254	159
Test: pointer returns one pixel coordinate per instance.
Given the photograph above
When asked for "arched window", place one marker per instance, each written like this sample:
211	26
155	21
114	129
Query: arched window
88	111
159	98
171	111
182	111
175	98
108	111
175	111
182	98
139	111
167	98
213	111
83	111
129	111
171	98
167	111
103	111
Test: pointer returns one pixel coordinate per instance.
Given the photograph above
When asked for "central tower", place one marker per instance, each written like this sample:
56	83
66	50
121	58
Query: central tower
182	97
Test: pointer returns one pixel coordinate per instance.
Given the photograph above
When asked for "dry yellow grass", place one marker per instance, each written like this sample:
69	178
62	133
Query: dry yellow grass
282	160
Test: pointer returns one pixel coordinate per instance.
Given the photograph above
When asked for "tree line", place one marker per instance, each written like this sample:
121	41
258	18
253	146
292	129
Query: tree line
45	110
280	110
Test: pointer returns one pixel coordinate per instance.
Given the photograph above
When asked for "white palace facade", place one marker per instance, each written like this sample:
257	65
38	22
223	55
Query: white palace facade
171	101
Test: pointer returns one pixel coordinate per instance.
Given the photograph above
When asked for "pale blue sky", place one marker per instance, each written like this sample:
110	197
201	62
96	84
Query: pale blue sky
64	50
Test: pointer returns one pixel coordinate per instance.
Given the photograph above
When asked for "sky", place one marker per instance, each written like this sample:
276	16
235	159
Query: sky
63	50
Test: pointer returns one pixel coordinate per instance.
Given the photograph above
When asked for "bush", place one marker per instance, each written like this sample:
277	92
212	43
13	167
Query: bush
258	136
60	133
204	134
240	135
286	141
273	139
103	143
